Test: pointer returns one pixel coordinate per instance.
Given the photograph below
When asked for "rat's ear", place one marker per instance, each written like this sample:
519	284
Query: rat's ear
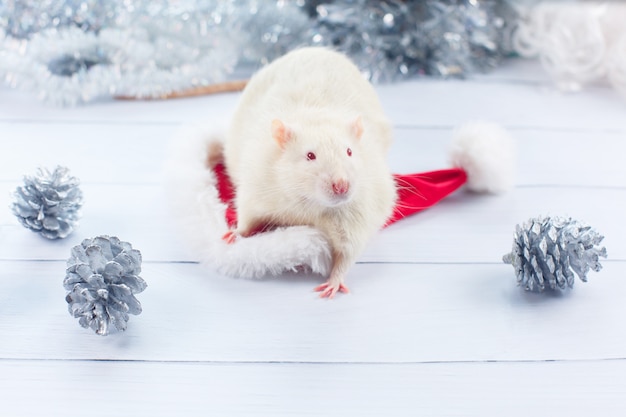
281	133
357	127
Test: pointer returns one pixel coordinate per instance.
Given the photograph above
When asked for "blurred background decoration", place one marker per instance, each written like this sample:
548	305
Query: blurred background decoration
578	42
74	51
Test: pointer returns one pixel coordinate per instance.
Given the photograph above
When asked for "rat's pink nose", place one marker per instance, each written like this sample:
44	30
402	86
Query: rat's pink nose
341	187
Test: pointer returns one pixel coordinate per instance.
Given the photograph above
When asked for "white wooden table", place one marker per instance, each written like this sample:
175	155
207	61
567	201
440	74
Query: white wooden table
435	324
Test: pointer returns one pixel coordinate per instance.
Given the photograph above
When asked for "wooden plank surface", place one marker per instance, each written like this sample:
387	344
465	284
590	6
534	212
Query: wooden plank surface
435	324
395	313
236	389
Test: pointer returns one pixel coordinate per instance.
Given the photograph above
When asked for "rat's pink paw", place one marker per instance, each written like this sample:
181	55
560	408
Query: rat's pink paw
328	289
230	237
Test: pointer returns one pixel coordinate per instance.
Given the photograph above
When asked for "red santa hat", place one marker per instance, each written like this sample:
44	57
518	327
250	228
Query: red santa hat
481	155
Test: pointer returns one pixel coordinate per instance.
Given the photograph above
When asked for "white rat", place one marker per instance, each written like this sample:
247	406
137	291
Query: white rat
308	146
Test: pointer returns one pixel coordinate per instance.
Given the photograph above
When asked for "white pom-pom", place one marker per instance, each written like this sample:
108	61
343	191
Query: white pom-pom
486	152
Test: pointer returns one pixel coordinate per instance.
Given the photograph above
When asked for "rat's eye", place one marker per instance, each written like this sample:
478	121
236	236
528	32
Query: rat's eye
310	156
349	152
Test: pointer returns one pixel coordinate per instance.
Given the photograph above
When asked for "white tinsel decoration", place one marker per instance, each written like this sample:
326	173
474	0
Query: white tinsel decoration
577	42
150	49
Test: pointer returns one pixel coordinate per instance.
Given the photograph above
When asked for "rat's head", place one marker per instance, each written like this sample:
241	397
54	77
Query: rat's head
319	163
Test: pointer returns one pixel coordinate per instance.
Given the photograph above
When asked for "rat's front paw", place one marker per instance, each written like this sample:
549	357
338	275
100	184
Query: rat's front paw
330	288
230	237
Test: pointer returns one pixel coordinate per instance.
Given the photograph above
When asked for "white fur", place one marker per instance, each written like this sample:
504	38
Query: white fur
200	216
487	154
312	101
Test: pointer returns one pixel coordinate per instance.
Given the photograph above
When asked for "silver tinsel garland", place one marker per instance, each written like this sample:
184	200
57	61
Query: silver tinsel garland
49	202
398	39
75	51
548	251
102	278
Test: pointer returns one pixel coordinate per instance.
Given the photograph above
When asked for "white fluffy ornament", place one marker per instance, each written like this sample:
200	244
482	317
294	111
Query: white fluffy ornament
577	42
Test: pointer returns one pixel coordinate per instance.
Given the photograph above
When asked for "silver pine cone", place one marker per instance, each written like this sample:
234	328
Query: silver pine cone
102	278
548	251
49	203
